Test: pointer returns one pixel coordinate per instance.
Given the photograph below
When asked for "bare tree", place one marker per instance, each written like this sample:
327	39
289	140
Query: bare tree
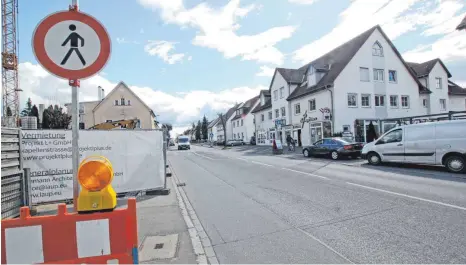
224	125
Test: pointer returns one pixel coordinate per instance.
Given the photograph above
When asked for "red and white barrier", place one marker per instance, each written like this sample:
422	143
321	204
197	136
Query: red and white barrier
66	238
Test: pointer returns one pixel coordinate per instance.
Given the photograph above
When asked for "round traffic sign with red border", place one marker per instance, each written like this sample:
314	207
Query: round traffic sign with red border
71	45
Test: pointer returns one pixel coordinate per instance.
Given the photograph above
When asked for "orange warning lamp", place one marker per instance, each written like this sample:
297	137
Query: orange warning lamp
95	175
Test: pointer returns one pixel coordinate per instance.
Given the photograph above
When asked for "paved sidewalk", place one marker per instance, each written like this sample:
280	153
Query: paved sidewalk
163	234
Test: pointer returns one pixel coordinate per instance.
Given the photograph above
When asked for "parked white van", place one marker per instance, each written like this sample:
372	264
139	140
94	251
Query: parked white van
183	142
434	143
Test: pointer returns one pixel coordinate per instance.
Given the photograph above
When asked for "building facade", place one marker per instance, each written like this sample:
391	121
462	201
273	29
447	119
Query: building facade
243	120
120	104
362	82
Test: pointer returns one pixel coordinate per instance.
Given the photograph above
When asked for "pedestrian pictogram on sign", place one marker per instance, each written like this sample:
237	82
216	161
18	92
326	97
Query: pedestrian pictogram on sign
73	38
71	45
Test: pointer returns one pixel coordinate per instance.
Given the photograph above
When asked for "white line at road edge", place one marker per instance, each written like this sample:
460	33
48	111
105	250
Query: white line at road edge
305	173
203	156
243	159
191	219
409	196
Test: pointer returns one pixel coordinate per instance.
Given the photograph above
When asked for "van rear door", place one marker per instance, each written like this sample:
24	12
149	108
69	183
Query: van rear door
419	143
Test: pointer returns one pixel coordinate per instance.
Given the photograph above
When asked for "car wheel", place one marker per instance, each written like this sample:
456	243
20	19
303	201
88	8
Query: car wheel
373	159
455	164
306	153
334	155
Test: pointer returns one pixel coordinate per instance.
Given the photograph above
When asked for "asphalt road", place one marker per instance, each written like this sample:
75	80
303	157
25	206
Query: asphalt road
258	208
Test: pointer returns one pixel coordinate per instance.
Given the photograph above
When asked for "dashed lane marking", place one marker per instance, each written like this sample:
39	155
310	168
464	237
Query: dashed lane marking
305	173
409	196
203	156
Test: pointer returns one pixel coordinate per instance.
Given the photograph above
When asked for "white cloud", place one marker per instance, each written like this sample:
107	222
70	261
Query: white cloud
190	58
125	41
448	48
266	71
303	2
164	50
396	17
217	29
180	109
461	83
288	17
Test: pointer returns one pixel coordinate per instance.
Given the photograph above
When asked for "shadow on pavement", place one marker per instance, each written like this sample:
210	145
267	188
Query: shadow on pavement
427	171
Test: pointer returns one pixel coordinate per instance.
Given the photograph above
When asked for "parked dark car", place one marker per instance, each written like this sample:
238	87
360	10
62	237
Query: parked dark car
334	147
253	140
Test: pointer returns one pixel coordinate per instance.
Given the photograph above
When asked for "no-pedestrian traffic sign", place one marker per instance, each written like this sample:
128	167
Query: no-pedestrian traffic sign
71	45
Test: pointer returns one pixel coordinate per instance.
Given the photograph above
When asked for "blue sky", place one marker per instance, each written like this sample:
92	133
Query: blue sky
190	58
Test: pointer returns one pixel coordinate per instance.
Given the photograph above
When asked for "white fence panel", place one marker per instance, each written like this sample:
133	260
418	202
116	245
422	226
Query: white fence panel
136	157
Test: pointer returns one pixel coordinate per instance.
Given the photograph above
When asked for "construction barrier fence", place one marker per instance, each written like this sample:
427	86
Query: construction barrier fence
71	238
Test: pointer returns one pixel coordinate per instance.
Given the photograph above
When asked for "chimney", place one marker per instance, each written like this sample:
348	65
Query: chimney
99	93
102	93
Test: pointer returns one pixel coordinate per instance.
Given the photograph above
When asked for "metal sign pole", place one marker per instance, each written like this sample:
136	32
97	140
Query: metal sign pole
75	131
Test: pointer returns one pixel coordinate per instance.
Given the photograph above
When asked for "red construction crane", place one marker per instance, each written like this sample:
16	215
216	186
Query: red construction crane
10	89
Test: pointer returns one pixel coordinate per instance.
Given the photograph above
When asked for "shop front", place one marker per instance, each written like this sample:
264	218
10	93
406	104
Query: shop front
312	129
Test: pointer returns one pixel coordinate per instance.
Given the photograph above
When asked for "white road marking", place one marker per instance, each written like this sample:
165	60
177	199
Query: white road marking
203	156
409	196
305	173
259	163
255	162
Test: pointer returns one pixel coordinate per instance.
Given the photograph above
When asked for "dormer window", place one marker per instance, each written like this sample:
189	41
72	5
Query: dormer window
377	49
311	76
312	70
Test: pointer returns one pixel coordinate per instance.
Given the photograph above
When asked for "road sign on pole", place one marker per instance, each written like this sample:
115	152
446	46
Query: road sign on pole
72	45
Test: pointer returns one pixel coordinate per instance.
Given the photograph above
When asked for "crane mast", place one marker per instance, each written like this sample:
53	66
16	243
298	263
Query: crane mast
10	83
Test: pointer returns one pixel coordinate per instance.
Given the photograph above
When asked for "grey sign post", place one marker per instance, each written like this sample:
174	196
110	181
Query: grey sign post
92	50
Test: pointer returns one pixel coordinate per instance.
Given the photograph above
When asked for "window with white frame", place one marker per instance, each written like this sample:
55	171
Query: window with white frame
312	104
443	104
277	113
438	83
275	94
237	123
352	100
283	111
394	101
379	100
128	102
116	102
282	92
122	101
297	109
366	100
270	115
378	75
392	76
262	117
241	122
377	49
364	74
405	102
424	103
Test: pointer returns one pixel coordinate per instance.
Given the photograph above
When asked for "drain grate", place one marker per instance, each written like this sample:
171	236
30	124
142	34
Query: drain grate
159	246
